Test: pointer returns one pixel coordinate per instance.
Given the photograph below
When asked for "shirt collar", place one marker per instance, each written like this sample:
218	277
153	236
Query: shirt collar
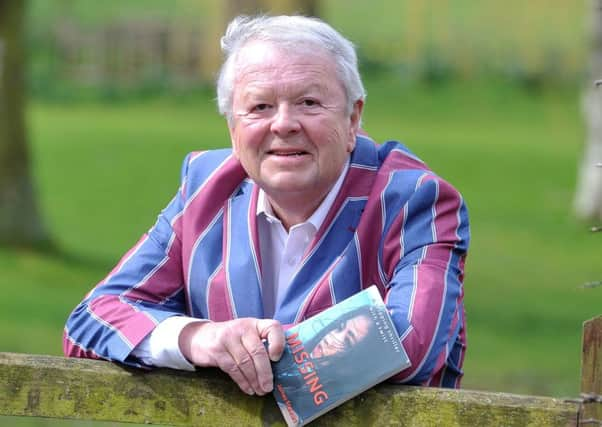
317	218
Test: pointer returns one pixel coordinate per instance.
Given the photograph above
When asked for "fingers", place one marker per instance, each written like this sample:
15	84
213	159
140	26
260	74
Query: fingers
229	365
249	355
256	367
236	347
236	353
272	331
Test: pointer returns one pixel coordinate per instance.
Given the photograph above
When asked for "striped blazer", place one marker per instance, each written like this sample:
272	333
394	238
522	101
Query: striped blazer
394	224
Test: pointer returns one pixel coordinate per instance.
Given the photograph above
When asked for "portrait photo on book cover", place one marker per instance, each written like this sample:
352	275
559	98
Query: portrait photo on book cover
326	359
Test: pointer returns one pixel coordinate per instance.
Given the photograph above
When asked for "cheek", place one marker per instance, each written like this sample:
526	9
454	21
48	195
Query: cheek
241	152
249	135
240	141
344	138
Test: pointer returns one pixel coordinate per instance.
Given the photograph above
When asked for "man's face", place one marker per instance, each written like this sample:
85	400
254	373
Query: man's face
290	128
342	338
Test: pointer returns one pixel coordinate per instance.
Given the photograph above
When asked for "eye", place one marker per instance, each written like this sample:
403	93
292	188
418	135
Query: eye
260	107
308	102
341	326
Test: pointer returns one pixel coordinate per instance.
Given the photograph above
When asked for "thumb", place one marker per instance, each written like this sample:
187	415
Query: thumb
271	330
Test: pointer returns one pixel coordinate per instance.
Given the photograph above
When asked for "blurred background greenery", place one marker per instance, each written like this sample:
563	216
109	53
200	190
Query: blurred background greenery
487	93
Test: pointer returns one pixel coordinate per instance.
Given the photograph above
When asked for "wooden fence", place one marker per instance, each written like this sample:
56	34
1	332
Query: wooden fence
57	387
128	53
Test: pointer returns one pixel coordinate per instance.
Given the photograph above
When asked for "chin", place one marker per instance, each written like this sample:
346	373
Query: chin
289	185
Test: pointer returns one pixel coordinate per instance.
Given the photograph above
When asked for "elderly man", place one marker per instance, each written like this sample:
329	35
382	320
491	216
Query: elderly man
301	213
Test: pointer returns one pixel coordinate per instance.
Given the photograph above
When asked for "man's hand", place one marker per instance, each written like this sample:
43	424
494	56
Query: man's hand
236	347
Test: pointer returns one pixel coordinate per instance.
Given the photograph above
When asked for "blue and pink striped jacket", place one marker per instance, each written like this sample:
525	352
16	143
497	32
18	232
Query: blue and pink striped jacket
394	223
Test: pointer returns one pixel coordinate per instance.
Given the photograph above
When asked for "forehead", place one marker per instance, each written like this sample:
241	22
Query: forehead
359	323
264	63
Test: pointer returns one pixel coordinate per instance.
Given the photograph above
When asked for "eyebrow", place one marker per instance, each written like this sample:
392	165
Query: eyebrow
260	90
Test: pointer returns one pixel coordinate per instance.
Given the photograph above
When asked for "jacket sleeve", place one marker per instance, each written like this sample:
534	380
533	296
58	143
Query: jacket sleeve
145	288
423	261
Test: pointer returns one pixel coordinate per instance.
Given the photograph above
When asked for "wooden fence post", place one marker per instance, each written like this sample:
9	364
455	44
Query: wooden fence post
591	373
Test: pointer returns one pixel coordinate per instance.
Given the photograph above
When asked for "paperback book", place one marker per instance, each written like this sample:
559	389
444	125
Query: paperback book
336	355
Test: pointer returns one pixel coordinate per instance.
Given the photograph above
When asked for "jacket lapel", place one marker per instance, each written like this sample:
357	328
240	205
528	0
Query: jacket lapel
311	289
241	252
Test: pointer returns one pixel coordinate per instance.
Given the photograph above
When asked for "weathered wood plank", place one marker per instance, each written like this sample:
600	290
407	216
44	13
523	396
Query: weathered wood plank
57	387
591	368
85	389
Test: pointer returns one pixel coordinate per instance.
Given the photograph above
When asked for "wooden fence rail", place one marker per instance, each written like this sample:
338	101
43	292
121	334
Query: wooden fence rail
57	387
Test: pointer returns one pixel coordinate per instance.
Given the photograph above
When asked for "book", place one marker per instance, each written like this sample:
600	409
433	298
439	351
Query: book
336	355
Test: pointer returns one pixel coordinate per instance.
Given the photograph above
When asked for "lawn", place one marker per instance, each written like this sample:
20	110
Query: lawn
513	154
105	171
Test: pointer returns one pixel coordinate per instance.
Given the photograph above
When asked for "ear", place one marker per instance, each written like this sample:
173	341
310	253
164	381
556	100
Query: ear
354	122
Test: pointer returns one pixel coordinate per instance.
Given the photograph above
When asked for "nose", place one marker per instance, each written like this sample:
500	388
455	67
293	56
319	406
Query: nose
285	122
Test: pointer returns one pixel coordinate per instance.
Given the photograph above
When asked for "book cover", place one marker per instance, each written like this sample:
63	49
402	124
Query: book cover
336	355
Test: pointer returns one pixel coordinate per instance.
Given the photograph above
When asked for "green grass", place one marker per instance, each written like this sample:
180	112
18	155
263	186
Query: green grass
105	171
514	157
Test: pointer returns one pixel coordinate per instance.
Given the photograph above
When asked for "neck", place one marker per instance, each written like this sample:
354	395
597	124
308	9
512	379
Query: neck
296	207
291	212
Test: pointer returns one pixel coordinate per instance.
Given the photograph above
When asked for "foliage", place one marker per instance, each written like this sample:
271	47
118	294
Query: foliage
516	39
532	44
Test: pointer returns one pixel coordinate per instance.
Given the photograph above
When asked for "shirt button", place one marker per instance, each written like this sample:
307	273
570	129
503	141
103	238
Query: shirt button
292	261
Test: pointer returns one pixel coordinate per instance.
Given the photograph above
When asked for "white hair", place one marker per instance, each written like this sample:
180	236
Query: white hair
287	32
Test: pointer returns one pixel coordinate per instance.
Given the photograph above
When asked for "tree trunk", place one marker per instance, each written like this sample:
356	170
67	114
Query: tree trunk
588	199
20	223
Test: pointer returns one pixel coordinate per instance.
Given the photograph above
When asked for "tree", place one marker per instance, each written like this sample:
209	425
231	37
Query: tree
223	11
588	199
20	223
304	7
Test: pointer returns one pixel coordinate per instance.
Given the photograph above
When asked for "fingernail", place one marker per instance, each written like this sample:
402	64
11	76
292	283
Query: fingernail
267	387
250	391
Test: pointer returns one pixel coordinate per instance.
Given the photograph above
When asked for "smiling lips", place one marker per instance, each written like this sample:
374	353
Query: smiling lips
286	153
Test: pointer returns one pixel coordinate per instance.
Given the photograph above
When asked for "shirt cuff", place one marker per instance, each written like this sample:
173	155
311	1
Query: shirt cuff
161	347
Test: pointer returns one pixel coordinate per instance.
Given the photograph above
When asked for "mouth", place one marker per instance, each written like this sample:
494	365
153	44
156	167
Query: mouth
280	153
